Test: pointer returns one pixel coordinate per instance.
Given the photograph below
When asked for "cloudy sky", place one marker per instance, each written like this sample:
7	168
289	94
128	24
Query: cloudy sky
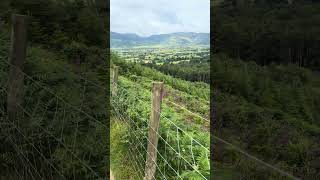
147	17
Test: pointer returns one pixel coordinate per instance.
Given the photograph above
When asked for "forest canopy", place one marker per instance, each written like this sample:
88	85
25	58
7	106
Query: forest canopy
268	31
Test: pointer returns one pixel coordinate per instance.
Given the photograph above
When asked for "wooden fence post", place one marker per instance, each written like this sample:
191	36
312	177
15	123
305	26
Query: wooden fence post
17	59
151	161
115	80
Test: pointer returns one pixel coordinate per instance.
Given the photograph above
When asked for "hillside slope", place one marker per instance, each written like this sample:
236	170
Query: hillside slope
54	131
271	112
131	111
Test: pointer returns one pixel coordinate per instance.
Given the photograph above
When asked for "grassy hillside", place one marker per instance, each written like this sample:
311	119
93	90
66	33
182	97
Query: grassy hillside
133	101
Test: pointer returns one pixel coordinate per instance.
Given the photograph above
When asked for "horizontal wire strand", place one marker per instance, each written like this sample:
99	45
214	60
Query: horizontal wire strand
170	147
34	147
58	97
142	145
231	145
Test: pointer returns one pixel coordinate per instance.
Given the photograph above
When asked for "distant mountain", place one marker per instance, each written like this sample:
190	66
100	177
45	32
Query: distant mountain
173	39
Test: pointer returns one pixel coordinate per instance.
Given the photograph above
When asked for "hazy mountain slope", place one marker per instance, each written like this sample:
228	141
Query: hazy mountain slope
173	39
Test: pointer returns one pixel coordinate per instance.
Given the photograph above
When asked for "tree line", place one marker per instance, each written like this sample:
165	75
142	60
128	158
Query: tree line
76	28
196	70
273	31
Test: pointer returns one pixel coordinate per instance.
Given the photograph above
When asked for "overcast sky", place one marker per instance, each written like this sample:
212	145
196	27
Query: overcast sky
147	17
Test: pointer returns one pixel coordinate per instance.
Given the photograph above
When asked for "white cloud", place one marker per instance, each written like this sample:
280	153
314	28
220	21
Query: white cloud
146	17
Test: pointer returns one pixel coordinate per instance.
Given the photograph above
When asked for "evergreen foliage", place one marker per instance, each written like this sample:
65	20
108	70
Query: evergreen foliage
267	31
62	134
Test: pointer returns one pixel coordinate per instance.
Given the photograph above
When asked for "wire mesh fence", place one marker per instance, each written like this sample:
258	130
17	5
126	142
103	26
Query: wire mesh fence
182	152
56	135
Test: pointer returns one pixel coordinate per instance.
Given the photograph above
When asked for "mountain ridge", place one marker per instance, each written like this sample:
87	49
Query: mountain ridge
183	39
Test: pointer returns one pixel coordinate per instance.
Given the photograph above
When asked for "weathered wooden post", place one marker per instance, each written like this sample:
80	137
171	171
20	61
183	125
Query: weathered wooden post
17	59
151	161
115	80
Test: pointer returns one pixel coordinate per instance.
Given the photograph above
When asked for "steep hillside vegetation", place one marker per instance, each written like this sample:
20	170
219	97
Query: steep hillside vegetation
131	118
54	139
271	112
267	86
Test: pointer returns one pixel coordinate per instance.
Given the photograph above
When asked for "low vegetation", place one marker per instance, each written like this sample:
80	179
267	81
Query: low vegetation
132	103
64	70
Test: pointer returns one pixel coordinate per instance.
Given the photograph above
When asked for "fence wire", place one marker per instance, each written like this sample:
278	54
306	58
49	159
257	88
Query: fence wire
178	150
133	96
54	138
